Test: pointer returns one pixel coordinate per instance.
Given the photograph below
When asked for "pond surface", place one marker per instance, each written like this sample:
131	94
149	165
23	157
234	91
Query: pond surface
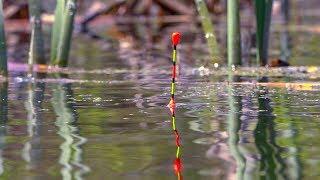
111	120
115	124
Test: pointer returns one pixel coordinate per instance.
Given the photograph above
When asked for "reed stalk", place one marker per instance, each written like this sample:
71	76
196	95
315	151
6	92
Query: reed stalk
66	33
56	29
263	20
284	35
36	52
208	29
234	37
3	48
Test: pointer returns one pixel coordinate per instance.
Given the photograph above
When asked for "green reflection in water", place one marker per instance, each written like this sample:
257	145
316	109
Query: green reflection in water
290	135
33	104
3	120
234	124
271	164
71	152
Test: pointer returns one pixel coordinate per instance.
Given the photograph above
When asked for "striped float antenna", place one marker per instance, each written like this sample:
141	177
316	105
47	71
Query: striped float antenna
175	38
177	164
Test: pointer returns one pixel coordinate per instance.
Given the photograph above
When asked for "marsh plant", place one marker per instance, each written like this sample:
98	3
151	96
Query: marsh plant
3	48
61	35
62	32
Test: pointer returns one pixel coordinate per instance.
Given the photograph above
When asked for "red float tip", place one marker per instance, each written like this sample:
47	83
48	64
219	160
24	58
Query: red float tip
177	165
175	37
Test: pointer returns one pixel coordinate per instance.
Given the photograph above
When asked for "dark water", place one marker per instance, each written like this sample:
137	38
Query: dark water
117	125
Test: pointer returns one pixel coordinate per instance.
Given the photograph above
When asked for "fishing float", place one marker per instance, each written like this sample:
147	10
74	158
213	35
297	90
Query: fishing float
175	38
177	164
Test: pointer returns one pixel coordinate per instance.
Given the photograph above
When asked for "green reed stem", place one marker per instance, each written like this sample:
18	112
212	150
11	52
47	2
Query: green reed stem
284	35
66	34
208	29
263	18
234	37
3	48
36	52
55	36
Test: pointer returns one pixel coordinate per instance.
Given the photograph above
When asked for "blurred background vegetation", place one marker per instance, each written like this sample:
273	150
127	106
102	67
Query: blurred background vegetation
145	25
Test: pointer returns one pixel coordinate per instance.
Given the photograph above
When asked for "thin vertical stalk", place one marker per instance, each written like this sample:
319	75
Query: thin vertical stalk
234	37
208	29
36	52
66	34
55	36
284	35
263	18
3	48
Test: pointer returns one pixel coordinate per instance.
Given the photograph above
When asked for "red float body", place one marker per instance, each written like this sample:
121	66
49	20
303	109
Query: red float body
176	36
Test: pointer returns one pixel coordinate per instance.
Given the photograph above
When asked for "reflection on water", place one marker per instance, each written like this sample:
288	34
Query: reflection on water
3	120
271	163
177	165
88	130
31	152
234	124
71	153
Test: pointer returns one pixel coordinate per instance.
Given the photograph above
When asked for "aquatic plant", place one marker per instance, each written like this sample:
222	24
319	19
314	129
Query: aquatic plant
62	32
36	52
263	19
208	29
285	35
3	48
234	37
56	29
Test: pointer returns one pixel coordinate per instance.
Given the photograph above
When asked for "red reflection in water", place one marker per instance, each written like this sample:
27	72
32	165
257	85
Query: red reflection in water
177	163
177	166
177	138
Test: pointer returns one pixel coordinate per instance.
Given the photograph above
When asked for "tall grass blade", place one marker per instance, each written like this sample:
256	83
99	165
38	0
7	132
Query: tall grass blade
208	29
3	48
263	18
284	35
36	52
56	32
234	37
66	33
